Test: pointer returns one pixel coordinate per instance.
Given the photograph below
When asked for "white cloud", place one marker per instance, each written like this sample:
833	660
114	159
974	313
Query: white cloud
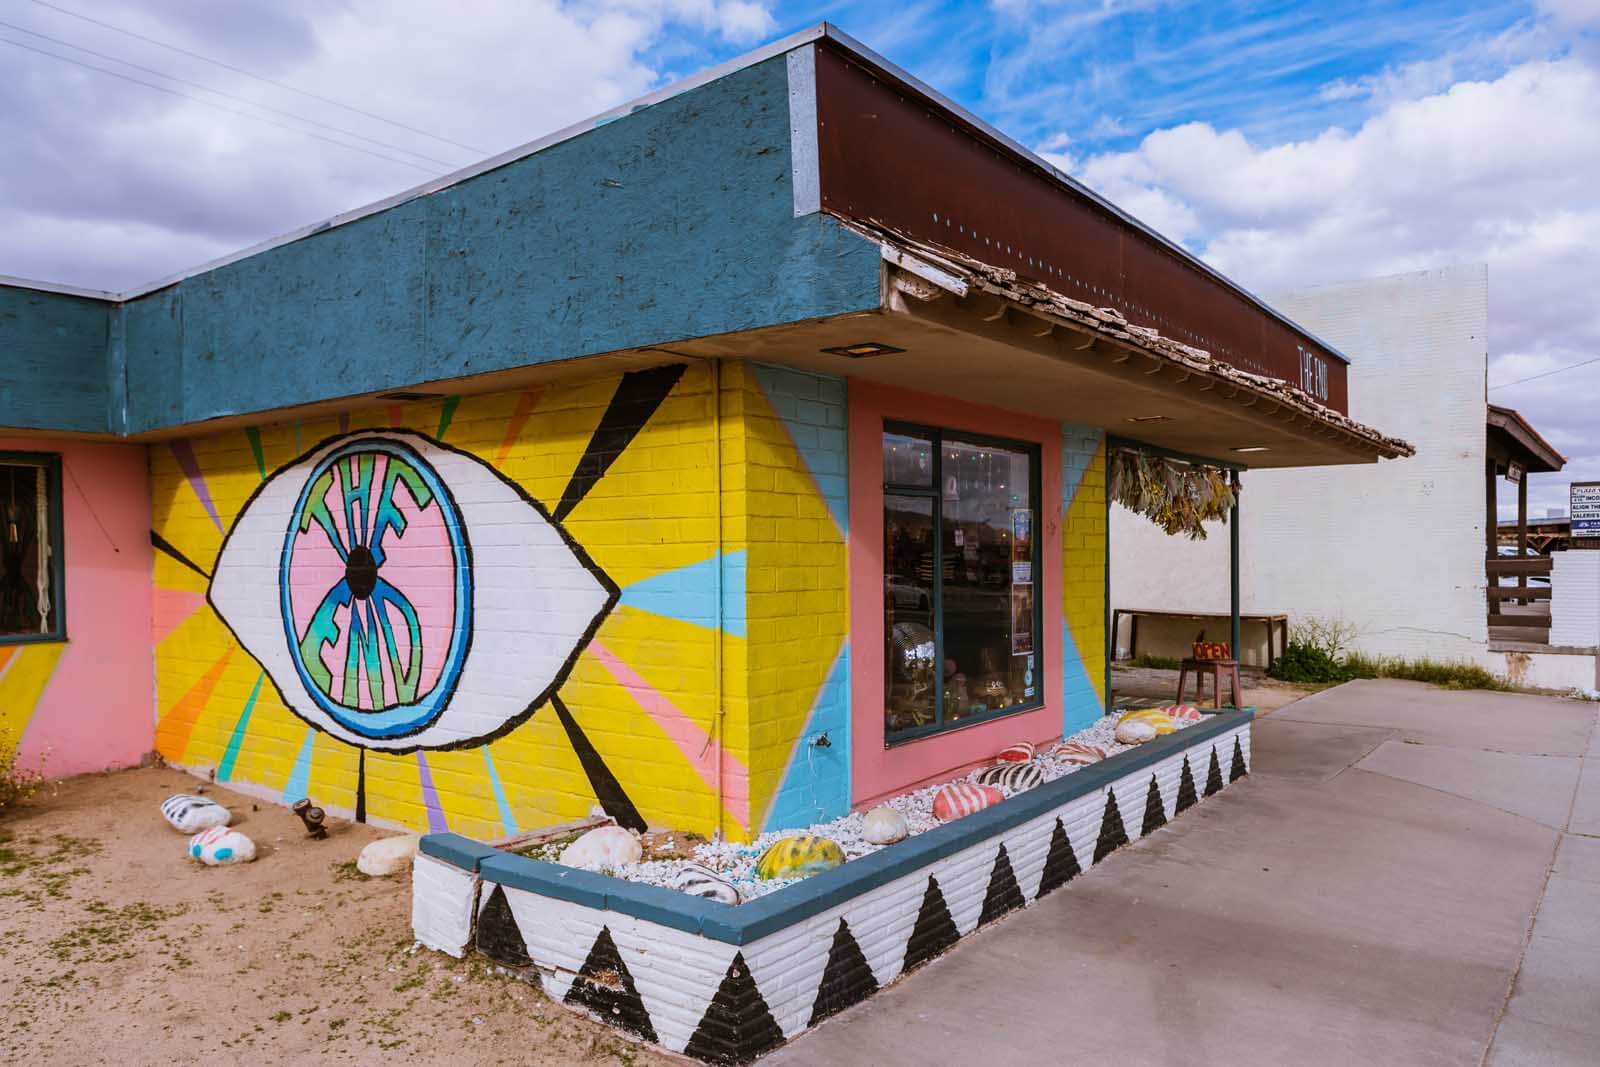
1501	171
107	184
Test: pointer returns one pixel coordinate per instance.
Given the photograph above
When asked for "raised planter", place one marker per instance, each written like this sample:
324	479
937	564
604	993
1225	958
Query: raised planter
726	983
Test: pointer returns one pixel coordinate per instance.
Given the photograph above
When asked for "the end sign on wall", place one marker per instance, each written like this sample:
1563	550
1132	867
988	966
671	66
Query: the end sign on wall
1583	504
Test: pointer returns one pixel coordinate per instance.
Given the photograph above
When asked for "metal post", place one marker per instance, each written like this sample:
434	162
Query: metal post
1233	562
1522	530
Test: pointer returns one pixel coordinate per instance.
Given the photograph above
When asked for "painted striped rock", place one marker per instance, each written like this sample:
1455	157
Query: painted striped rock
797	857
1079	753
698	881
1156	717
190	815
1021	752
1184	712
220	846
959	799
1013	776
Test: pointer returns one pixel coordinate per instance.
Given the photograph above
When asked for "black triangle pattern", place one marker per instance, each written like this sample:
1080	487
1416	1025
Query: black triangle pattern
935	930
605	987
1238	770
737	1026
638	395
1187	798
1004	894
1214	775
499	938
1112	834
1060	863
1155	812
846	980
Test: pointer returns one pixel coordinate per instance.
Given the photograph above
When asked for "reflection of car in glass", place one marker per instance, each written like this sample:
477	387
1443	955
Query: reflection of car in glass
1510	552
905	595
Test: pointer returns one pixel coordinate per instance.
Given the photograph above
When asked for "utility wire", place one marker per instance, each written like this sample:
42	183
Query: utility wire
230	96
258	77
1546	374
219	107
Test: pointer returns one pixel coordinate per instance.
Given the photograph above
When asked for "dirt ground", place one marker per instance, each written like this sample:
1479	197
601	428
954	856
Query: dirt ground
115	946
1265	694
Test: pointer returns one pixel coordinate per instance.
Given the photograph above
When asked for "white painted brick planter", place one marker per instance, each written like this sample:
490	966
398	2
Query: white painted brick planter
725	984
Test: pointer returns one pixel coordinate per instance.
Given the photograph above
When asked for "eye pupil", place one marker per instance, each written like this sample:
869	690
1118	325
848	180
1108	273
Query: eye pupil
361	572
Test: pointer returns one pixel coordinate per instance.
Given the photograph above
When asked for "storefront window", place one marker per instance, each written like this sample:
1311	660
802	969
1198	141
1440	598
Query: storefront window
960	553
30	552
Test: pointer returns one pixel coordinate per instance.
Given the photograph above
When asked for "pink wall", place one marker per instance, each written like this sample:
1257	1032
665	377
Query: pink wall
97	709
878	771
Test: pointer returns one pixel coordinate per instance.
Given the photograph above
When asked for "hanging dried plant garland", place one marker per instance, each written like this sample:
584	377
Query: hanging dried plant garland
1179	497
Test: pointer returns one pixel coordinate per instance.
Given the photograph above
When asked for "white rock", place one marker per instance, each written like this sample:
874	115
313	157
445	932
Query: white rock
389	855
220	846
884	826
1135	732
190	814
603	847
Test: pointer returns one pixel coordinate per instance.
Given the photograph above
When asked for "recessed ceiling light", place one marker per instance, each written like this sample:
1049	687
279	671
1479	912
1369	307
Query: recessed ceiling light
1147	418
404	396
863	350
1252	448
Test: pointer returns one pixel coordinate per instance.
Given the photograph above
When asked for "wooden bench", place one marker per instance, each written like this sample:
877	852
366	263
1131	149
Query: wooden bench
1276	626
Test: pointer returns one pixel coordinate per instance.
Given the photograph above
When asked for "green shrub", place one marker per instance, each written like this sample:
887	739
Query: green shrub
1306	663
1156	663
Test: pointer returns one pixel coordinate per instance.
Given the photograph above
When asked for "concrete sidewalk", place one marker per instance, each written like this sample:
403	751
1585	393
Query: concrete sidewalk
1406	877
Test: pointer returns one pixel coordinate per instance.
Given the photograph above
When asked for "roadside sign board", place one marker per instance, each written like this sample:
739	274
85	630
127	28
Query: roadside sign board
1584	507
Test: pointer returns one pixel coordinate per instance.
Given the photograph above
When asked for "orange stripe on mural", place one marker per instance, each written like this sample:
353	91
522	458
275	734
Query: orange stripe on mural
692	741
6	652
172	732
519	419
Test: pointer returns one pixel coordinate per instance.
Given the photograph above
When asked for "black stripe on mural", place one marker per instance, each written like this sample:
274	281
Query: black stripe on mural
613	801
163	545
1237	771
498	935
1214	775
638	396
1061	864
846	980
935	930
1112	833
738	1025
1004	894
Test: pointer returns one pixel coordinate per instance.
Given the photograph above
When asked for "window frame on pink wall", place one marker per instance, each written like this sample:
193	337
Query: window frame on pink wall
50	464
877	770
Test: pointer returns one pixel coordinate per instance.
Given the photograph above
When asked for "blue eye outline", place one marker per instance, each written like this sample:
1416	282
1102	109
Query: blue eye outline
399	719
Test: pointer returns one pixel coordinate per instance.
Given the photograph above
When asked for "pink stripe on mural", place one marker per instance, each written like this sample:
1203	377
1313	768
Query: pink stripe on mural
183	452
693	742
171	608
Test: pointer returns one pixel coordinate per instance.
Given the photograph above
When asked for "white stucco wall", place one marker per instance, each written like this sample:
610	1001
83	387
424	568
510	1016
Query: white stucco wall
1395	548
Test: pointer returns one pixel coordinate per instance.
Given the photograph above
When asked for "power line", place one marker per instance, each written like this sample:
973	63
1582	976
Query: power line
258	77
1546	374
230	96
219	107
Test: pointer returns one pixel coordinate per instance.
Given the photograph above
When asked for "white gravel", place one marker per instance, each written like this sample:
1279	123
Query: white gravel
736	863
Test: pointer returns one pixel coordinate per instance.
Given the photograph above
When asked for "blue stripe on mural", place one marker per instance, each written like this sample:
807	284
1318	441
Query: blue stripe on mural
1080	703
816	784
299	786
231	753
1078	446
812	408
689	594
507	820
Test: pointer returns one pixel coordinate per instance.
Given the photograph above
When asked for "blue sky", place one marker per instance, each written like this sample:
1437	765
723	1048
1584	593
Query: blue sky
1289	144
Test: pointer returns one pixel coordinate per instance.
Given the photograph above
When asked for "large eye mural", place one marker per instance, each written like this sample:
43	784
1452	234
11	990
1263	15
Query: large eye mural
380	552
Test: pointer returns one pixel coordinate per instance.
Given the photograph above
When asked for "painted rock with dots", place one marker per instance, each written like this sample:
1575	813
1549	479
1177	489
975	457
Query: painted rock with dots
798	857
884	826
698	881
1021	752
1156	717
1135	732
601	848
220	846
960	799
1013	776
190	814
1080	753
